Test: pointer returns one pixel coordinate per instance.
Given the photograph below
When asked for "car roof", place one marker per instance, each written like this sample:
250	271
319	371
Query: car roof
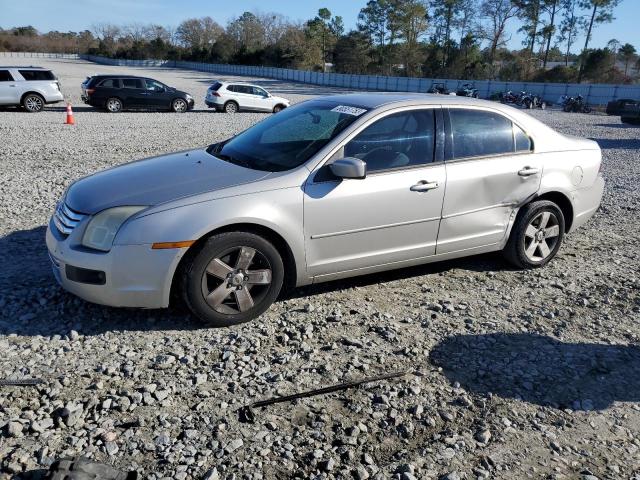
24	67
371	100
238	83
111	75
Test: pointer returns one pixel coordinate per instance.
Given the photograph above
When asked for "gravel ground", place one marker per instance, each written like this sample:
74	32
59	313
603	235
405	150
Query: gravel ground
514	374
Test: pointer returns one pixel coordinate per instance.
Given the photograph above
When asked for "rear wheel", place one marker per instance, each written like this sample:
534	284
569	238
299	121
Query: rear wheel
231	107
33	103
536	235
179	105
234	278
113	105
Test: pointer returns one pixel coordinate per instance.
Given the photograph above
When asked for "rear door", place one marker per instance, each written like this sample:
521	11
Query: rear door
491	170
133	92
8	89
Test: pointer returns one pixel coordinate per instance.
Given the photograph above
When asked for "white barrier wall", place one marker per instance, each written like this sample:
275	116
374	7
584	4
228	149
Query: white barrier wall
595	94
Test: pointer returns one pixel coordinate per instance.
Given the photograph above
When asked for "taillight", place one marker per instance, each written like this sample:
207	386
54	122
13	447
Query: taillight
90	91
215	94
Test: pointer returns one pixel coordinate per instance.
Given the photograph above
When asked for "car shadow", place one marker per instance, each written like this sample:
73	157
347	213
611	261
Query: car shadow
613	125
541	370
28	286
618	143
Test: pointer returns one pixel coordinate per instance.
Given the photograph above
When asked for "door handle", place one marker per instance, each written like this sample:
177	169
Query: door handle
12	86
528	171
423	186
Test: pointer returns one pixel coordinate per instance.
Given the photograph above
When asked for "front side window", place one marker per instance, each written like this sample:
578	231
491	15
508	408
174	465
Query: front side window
402	139
132	83
33	75
153	85
259	92
289	139
477	133
5	76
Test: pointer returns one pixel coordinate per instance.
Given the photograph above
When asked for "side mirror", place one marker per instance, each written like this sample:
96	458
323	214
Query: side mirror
349	167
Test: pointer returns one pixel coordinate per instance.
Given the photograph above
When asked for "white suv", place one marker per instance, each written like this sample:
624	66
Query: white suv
233	97
31	87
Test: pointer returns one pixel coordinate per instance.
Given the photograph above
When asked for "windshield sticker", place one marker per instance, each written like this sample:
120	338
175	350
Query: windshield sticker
349	110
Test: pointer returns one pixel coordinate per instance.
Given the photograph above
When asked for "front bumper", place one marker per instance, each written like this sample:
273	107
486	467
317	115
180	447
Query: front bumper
586	202
133	275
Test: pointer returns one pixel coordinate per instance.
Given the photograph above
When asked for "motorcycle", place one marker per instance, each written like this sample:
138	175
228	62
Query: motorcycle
576	104
468	90
439	88
531	100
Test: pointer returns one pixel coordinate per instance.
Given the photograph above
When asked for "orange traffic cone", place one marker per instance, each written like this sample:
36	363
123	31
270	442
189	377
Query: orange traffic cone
70	120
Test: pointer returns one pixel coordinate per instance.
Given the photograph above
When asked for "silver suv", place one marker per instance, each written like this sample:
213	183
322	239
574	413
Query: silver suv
31	87
233	97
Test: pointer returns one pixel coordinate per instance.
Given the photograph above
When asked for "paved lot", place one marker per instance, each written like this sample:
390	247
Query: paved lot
515	374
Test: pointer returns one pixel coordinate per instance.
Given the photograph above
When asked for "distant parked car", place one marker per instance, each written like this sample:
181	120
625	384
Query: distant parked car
330	188
115	93
31	87
615	107
630	113
232	97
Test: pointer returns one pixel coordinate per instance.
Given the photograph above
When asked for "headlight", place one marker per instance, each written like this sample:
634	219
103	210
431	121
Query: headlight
103	227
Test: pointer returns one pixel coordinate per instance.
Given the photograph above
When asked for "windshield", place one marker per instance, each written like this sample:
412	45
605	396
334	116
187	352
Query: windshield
288	139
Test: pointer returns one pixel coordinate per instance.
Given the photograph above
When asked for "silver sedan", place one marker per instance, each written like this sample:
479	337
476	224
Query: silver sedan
330	188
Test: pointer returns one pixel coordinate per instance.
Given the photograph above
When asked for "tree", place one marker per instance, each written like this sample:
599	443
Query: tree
628	54
373	21
551	6
411	19
352	53
601	12
445	16
198	33
496	14
568	26
326	29
529	12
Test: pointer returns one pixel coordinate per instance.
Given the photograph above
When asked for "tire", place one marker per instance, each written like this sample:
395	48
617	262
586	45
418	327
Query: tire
278	108
33	103
179	105
586	109
221	266
543	105
231	107
524	248
113	105
528	104
85	469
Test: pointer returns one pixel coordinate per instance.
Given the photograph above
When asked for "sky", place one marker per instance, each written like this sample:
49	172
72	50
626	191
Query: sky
77	15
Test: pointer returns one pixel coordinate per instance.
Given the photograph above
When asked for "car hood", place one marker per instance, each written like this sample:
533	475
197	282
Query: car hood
157	180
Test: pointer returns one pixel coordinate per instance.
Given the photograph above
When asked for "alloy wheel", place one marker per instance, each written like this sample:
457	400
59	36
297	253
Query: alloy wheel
179	106
114	105
236	280
33	103
230	107
541	236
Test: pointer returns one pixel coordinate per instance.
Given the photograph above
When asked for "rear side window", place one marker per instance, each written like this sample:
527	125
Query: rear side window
478	133
132	83
523	142
33	75
404	139
5	76
109	83
233	88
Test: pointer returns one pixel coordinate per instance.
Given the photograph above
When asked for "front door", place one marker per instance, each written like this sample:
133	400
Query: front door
491	169
390	216
157	95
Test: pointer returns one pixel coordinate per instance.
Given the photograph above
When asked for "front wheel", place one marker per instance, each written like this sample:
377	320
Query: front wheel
277	108
232	279
536	235
179	105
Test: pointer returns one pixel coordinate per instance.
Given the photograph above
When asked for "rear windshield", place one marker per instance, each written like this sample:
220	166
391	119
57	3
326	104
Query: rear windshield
31	75
215	87
289	138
